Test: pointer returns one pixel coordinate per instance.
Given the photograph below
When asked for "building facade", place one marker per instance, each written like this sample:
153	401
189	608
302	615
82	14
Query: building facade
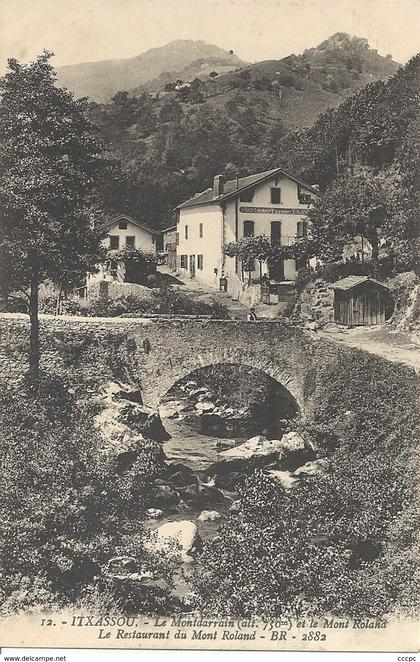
273	203
169	241
125	232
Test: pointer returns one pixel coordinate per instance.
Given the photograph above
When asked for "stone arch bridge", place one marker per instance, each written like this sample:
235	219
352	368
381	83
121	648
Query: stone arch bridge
155	353
175	349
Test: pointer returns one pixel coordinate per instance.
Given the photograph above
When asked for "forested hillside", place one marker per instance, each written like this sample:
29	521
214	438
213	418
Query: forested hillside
171	147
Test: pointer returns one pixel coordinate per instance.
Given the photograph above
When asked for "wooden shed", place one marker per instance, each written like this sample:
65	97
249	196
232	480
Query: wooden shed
360	301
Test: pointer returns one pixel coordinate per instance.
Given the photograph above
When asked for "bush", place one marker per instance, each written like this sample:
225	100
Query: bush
379	269
67	306
13	304
329	545
304	276
169	301
118	306
334	271
64	510
164	301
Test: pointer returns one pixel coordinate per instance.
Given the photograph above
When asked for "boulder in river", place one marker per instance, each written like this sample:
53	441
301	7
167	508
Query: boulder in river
123	420
289	452
204	406
235	508
225	444
182	478
175	467
171	409
201	495
311	468
209	516
229	480
123	563
212	424
179	537
145	420
285	478
154	513
256	452
161	496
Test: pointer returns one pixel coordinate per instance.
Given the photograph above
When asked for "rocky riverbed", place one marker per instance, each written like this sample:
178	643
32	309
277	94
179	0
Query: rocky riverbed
204	464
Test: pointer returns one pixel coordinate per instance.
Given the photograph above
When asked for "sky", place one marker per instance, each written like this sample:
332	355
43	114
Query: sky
87	30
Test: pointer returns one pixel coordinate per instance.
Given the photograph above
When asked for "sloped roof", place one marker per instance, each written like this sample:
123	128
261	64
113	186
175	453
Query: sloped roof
352	281
127	218
232	188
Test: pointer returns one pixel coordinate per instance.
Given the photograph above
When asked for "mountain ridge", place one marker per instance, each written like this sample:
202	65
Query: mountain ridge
101	79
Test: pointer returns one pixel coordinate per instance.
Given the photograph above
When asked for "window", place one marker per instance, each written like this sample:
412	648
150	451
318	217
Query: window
199	262
122	225
305	199
275	233
153	239
113	267
200	231
247	196
114	242
184	261
302	229
275	195
177	238
186	232
248	228
130	242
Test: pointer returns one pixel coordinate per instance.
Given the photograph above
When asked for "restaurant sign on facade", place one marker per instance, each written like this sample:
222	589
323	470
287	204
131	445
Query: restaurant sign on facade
271	210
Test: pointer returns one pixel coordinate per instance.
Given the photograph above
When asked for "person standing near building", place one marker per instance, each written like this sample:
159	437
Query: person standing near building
252	317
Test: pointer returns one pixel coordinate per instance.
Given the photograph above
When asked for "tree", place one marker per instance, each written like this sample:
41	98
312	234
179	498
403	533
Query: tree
249	249
353	206
171	111
49	163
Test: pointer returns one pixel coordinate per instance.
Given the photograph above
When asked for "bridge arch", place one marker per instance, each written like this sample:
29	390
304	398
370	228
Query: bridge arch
156	386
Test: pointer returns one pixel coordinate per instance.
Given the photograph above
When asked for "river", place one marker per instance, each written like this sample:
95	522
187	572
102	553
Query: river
191	448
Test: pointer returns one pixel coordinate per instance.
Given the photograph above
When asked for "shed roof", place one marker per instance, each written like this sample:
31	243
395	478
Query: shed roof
233	187
170	229
350	282
125	217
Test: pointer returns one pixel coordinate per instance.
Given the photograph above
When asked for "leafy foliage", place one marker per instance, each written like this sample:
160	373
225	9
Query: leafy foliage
164	300
49	163
65	510
353	205
327	545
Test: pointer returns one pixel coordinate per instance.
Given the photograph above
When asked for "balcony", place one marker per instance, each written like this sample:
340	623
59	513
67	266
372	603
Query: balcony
286	240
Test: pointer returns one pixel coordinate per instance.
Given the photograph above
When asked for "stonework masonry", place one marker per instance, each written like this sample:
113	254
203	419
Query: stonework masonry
153	354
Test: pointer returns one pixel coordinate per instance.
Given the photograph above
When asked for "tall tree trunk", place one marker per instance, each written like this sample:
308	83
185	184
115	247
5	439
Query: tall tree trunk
375	247
58	305
34	332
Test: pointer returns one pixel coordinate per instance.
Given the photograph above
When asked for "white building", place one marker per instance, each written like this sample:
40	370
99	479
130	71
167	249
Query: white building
125	232
273	203
122	232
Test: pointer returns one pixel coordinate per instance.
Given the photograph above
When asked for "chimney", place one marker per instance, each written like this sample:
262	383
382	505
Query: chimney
237	180
218	186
